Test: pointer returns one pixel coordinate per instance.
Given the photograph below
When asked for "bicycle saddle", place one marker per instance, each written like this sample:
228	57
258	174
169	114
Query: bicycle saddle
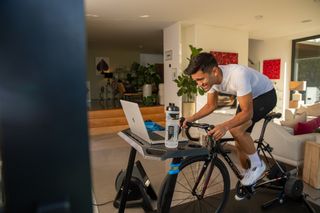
273	115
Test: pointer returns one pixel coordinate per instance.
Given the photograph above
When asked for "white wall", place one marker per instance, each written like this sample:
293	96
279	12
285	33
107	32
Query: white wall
278	48
172	42
146	58
224	40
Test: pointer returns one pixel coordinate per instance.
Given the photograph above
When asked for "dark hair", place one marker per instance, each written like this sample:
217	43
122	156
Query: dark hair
204	62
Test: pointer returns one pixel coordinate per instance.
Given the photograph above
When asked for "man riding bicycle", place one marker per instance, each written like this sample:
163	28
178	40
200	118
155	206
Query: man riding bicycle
256	97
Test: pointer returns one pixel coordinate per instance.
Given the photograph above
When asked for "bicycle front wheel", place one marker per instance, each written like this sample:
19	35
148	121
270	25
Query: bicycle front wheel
202	185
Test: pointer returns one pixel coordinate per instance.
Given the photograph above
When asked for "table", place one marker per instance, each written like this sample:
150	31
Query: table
155	152
311	167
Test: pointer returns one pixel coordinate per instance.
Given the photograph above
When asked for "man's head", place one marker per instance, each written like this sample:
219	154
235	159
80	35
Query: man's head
203	68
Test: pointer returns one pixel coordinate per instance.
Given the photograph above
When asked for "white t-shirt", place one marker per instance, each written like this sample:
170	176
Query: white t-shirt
240	80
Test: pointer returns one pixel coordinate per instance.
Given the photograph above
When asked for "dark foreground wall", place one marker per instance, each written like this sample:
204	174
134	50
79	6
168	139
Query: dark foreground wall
43	121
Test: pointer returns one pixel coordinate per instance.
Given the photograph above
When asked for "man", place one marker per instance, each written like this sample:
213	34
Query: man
256	97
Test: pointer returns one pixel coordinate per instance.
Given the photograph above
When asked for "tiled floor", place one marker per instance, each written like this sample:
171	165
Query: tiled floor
109	154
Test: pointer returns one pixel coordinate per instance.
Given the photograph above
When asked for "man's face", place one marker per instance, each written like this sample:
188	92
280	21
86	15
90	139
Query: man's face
204	80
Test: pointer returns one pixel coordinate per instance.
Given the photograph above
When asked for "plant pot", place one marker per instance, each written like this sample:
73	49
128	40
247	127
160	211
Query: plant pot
147	90
188	108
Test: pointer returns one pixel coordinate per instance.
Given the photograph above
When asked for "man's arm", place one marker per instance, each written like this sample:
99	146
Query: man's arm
209	107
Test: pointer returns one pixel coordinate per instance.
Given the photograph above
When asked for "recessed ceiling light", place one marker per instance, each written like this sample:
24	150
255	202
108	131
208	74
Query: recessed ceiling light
92	15
144	16
306	21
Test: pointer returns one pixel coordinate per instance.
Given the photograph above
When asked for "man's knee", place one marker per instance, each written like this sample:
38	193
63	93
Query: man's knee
239	131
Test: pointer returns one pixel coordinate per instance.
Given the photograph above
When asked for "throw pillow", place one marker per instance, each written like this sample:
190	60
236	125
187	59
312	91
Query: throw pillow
288	114
307	127
312	110
293	122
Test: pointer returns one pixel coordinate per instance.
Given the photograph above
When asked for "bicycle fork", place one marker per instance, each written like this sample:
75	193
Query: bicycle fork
206	182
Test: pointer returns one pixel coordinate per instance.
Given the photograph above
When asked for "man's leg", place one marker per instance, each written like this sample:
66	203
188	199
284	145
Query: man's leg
243	156
246	145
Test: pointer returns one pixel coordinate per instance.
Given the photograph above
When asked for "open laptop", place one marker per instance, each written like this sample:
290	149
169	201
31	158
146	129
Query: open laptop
138	127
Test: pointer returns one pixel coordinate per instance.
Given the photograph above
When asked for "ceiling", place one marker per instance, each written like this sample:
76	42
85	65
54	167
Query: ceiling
118	22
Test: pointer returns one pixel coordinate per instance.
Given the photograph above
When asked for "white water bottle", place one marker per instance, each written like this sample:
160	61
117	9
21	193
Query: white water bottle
172	126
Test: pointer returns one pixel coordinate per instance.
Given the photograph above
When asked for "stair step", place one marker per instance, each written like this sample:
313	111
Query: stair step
112	129
114	120
101	122
112	113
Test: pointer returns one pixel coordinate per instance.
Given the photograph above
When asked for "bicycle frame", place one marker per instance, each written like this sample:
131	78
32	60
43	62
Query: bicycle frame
216	148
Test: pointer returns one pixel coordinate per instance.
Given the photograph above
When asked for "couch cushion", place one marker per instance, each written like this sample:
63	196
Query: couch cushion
307	127
312	110
298	118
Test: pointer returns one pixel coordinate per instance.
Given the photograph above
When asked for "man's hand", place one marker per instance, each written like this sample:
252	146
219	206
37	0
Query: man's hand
184	124
218	132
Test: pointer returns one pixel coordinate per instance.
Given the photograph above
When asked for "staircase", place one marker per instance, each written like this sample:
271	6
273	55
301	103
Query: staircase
114	120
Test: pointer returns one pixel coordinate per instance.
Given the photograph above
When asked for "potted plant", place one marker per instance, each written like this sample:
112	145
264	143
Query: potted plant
188	88
145	77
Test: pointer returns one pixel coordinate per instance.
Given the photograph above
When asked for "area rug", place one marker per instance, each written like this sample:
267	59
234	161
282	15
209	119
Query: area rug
253	205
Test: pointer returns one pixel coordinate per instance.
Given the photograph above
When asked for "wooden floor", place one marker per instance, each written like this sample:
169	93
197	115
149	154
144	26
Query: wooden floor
109	154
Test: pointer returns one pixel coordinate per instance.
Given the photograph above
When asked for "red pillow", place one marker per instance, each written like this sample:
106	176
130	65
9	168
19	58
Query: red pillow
307	127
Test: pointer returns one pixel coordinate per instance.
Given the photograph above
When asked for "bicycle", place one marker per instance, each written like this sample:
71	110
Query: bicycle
204	181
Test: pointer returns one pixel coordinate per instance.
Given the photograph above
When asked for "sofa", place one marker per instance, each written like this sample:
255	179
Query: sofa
287	148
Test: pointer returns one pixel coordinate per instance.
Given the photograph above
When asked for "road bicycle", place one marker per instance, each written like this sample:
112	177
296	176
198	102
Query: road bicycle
202	183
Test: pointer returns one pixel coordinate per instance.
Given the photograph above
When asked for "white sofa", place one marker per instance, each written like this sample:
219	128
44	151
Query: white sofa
287	148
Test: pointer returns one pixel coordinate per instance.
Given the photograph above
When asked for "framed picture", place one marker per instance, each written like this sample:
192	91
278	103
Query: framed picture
102	64
271	68
224	58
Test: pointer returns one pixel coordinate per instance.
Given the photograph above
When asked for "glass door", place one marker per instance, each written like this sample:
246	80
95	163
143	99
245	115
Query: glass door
306	67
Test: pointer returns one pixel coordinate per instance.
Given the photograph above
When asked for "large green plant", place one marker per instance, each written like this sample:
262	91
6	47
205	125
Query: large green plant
144	74
187	86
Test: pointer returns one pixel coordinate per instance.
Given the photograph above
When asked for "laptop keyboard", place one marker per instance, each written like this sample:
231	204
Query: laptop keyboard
154	136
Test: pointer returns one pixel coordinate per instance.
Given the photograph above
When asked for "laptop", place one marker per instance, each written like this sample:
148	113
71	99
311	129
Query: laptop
137	125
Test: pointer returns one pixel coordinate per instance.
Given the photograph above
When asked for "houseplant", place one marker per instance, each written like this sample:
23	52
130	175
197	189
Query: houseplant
145	77
188	88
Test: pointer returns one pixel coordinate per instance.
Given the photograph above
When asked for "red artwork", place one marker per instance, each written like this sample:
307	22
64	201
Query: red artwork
224	58
271	68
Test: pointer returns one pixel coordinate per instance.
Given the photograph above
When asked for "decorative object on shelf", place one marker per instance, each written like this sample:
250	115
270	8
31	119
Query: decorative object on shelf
297	87
271	68
224	58
103	66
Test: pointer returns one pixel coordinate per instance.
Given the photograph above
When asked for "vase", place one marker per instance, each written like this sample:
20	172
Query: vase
147	90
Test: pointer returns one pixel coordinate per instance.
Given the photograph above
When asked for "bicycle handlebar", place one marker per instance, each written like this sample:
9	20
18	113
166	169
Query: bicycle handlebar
204	126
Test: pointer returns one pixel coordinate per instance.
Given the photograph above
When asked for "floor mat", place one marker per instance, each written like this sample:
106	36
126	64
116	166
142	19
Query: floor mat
253	205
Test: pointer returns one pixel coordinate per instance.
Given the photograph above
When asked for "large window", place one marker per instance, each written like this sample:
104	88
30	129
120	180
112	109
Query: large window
306	66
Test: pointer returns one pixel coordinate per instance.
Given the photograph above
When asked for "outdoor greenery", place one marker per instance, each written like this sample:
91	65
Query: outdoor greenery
187	86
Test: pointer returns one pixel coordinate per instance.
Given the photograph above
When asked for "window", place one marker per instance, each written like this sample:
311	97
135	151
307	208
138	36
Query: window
306	66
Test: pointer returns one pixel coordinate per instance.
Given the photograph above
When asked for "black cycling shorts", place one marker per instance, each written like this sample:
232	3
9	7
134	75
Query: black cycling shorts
262	105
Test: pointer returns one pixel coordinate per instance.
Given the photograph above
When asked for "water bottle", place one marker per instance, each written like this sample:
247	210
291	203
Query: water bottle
172	126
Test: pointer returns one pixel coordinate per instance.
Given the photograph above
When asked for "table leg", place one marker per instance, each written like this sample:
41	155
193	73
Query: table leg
169	189
130	165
